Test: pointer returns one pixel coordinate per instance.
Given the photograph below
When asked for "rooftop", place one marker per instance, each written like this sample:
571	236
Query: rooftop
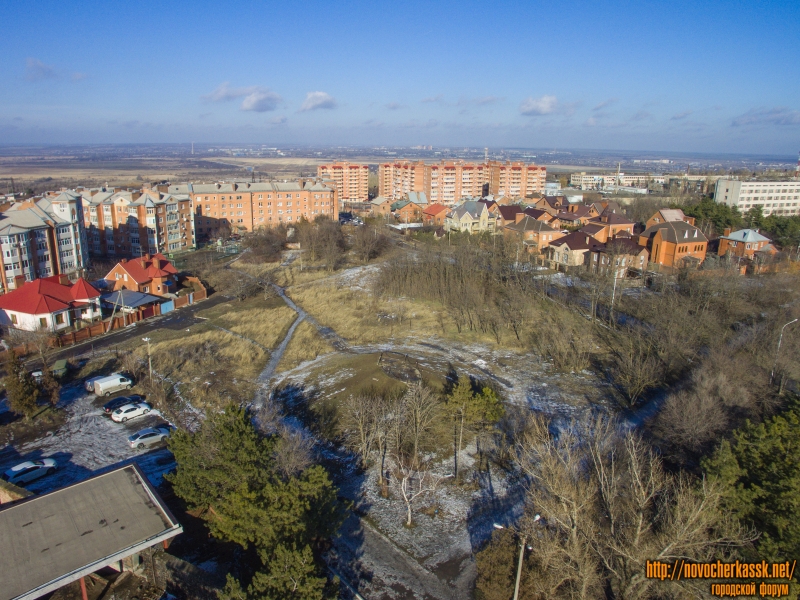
56	538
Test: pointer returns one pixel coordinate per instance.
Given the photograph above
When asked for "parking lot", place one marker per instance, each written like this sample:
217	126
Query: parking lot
87	442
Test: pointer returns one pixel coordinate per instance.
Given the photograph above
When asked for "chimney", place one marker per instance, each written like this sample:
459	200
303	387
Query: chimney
19	281
726	232
587	239
157	263
63	279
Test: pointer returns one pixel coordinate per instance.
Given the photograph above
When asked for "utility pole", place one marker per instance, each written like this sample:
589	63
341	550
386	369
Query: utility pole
149	359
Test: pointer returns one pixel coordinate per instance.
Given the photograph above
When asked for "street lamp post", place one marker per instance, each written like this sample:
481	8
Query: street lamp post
521	555
149	360
777	352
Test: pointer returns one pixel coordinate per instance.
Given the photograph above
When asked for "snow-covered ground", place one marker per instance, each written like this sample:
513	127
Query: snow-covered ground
87	443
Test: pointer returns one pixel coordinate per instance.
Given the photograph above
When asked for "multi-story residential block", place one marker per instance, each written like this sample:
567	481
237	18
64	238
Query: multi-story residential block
42	238
350	180
598	181
773	197
133	223
250	206
452	182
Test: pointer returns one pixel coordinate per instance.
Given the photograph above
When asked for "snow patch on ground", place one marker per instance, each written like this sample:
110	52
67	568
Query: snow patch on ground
89	442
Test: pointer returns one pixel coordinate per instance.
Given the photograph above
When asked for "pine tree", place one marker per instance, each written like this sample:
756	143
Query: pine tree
20	387
761	473
228	470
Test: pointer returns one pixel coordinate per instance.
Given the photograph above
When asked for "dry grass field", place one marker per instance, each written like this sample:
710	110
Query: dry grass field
264	321
361	318
306	344
211	367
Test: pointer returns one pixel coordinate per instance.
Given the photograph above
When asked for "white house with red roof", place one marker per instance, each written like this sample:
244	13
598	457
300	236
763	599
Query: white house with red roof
52	303
149	274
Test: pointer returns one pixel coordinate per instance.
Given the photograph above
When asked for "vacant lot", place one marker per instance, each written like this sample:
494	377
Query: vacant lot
264	321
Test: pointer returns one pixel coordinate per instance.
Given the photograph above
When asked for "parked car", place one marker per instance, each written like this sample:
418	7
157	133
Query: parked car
89	383
113	404
149	436
130	411
113	383
30	470
60	368
37	376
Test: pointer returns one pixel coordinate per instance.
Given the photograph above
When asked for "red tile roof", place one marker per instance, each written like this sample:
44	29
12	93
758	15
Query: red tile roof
144	269
434	209
47	295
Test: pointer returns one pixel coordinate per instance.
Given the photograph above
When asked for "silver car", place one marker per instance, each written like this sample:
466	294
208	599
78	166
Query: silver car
149	436
30	470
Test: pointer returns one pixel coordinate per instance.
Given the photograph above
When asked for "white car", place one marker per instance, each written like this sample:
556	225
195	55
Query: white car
130	411
149	436
30	470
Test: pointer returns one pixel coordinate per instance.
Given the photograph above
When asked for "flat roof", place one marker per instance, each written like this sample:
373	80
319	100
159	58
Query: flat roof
58	537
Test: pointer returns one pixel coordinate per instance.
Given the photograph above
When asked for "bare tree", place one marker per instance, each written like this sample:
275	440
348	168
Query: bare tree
360	421
292	452
636	367
413	482
607	506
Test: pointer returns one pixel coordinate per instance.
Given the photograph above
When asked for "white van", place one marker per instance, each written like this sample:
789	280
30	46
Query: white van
113	383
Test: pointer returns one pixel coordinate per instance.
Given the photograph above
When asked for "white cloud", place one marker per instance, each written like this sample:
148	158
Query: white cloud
256	98
395	106
36	70
78	76
261	101
278	120
436	98
317	100
538	106
780	115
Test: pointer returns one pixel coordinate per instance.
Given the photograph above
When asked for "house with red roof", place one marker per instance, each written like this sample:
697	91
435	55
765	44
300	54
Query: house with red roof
434	214
52	303
150	274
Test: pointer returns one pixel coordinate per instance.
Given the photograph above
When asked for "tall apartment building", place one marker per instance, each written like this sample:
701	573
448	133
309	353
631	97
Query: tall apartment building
41	238
450	182
134	223
350	180
249	206
774	197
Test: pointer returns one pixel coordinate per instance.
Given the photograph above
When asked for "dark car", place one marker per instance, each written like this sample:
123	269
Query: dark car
112	405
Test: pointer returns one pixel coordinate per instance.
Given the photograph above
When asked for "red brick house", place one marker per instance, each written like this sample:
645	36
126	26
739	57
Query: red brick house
434	214
149	274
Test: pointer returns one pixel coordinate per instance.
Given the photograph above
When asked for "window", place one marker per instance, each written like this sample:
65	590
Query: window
60	319
13	319
42	322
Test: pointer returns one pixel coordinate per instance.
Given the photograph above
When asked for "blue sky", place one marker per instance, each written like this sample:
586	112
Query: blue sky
651	75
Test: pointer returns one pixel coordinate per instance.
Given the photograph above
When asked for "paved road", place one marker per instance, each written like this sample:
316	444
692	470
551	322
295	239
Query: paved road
181	318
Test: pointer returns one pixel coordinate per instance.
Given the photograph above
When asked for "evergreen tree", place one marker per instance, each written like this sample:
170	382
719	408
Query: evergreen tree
20	387
227	469
761	473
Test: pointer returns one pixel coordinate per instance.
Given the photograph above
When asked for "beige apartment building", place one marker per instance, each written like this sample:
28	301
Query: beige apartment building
137	222
250	206
350	180
449	183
